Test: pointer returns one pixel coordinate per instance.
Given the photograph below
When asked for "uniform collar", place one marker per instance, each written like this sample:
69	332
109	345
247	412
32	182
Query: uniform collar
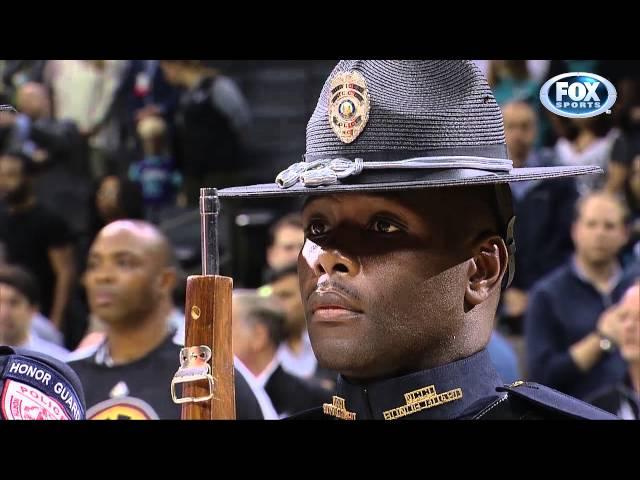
440	393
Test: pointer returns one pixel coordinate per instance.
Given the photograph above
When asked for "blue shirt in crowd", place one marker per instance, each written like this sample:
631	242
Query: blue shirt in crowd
564	307
504	358
158	178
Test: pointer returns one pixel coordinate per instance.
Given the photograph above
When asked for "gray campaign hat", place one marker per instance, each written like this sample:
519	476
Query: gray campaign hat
383	125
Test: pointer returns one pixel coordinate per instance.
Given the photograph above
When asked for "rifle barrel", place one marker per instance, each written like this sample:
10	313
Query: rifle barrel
209	209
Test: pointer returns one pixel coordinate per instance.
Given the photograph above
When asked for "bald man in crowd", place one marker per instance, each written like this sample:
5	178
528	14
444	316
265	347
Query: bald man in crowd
623	400
129	280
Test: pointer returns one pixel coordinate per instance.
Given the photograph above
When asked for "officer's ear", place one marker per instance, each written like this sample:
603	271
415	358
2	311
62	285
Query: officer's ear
485	269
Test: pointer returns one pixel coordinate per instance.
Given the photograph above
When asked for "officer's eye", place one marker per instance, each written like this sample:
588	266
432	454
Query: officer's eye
383	226
316	228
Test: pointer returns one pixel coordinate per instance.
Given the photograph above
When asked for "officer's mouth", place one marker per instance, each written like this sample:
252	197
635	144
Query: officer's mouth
331	306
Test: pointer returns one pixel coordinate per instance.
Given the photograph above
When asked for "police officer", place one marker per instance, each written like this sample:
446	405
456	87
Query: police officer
409	241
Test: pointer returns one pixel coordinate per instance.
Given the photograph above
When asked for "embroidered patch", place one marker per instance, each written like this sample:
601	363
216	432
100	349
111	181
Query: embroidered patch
24	402
338	409
422	399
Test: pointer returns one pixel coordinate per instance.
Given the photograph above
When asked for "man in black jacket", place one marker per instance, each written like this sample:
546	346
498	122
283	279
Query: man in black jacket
212	118
50	142
258	329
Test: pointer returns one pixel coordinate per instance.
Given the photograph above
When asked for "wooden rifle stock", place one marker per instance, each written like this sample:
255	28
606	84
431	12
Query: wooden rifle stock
207	324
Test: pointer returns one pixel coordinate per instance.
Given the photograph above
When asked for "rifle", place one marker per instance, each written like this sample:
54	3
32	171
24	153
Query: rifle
206	371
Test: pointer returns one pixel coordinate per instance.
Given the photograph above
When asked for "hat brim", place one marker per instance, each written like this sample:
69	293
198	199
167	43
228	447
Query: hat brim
420	180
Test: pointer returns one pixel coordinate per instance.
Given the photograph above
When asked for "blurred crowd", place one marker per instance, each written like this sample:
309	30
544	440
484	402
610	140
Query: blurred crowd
100	168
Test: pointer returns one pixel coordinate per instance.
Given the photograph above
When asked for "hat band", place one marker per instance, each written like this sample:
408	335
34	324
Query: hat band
324	172
497	150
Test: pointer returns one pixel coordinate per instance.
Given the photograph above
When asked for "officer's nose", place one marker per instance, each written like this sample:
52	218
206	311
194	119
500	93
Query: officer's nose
331	260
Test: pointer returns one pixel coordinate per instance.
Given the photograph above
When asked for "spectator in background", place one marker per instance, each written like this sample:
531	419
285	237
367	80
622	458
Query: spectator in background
7	120
16	73
625	149
48	141
156	173
632	271
18	307
129	280
556	67
285	240
85	91
258	329
511	81
569	325
624	399
631	194
543	210
211	125
586	141
295	353
35	237
631	252
537	68
146	92
114	198
57	149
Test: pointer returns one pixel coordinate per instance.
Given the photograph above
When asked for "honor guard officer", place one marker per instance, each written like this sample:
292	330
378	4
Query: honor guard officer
409	241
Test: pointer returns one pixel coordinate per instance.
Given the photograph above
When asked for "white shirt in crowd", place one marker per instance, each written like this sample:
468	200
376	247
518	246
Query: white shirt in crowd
303	364
42	327
598	153
40	345
268	410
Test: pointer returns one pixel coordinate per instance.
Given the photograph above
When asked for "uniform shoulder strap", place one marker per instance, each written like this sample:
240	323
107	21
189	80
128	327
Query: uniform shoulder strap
554	400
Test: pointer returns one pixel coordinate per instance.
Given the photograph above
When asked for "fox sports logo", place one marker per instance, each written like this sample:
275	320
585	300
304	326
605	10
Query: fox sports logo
578	95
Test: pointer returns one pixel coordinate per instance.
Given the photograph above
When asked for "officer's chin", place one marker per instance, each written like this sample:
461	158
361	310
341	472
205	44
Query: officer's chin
341	350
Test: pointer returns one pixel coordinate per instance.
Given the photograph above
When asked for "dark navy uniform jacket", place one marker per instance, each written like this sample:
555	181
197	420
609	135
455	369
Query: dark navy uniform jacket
466	389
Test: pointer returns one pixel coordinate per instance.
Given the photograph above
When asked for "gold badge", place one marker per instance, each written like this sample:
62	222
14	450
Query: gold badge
338	409
422	399
348	105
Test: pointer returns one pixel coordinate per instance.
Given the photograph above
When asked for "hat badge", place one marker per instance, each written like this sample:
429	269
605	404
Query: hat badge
349	105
